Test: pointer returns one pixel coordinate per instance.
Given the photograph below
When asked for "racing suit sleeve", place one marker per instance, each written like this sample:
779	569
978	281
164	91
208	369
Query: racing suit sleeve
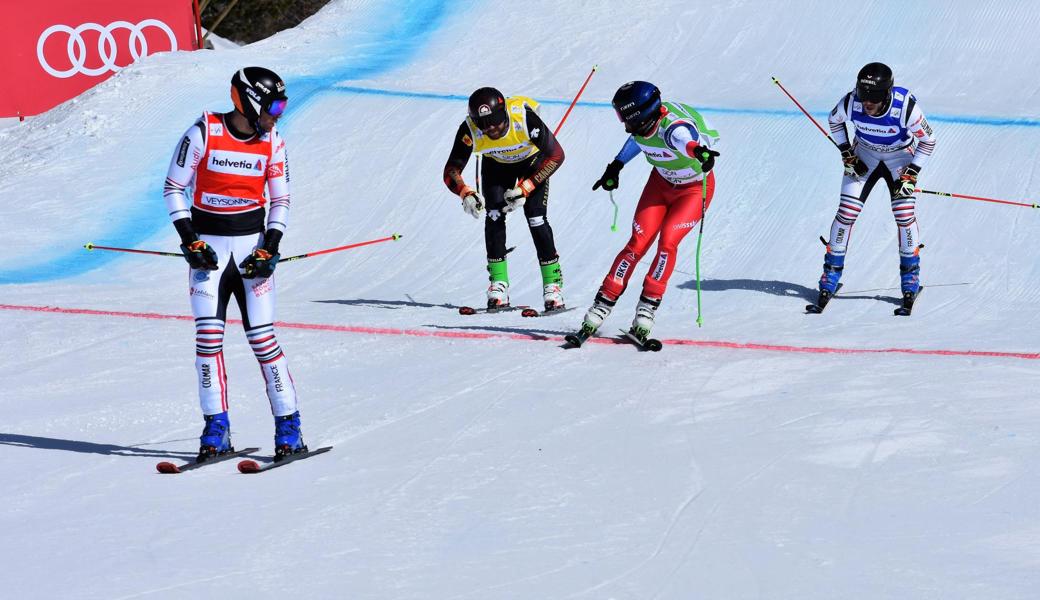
461	150
837	119
182	169
278	184
684	138
918	127
550	155
629	151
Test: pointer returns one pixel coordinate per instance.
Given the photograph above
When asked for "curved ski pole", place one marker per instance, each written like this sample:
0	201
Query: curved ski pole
613	226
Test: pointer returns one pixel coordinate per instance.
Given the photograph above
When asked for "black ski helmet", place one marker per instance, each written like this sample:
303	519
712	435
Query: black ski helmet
874	82
638	106
487	107
256	89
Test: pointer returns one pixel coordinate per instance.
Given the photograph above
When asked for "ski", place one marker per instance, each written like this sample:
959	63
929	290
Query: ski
469	310
579	337
821	302
648	343
169	467
531	312
908	303
250	466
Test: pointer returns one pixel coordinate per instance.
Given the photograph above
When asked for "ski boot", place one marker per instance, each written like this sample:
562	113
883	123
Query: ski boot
640	332
216	437
552	285
498	291
594	317
498	295
287	436
909	283
833	265
552	293
644	319
597	313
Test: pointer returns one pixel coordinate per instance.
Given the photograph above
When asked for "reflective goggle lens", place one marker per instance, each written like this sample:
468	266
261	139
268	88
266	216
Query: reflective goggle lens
277	108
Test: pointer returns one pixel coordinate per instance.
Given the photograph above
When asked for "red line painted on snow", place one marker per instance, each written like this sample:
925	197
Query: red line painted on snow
471	335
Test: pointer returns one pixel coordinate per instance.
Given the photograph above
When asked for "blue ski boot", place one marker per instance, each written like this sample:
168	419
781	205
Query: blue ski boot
910	274
833	264
215	438
287	436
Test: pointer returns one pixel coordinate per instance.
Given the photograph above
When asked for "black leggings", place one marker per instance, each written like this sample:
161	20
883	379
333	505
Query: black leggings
496	179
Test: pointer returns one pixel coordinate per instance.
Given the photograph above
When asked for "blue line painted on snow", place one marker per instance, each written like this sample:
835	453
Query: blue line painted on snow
758	112
402	34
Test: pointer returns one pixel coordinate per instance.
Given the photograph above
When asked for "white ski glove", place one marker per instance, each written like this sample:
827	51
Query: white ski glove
472	202
515	197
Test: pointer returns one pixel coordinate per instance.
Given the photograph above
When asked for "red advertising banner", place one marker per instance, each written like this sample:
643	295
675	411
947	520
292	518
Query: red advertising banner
57	49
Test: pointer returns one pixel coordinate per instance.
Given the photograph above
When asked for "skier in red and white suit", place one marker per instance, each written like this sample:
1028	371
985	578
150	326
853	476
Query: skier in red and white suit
231	158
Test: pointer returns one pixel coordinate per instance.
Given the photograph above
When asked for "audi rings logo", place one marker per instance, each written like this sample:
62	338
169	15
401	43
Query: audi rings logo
107	48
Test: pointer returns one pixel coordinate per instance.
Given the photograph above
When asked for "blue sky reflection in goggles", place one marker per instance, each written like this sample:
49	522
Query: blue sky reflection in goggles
277	107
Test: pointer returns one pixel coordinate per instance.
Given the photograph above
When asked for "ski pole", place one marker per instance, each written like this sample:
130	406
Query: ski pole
806	113
947	194
575	101
613	226
388	238
980	198
396	236
91	246
704	206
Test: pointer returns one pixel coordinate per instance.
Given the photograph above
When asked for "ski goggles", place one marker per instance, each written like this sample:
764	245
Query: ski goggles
276	108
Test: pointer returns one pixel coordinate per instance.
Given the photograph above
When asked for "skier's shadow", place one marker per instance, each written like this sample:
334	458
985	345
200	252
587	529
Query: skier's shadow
45	443
774	287
388	304
780	288
534	334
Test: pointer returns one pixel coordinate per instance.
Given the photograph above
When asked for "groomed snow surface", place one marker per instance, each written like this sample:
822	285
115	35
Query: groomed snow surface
766	455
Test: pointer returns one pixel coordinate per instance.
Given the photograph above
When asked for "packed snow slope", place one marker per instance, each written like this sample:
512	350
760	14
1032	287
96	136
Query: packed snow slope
768	454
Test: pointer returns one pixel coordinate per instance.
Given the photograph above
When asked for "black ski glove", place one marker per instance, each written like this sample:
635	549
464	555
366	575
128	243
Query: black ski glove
609	180
907	184
854	167
198	253
262	261
705	156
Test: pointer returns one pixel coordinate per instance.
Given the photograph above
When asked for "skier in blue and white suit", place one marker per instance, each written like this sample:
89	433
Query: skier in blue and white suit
892	142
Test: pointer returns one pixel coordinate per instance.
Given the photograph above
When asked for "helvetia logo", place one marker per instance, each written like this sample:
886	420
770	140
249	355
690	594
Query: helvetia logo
662	262
236	164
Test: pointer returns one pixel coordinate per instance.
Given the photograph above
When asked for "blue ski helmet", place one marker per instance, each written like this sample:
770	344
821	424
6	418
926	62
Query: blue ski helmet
638	106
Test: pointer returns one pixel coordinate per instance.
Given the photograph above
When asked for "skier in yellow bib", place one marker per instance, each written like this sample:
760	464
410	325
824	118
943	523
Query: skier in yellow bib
520	154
